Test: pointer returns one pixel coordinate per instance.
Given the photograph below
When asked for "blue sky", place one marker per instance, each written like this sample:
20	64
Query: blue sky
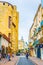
27	10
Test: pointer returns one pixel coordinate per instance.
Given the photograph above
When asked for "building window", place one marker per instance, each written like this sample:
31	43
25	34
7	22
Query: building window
8	4
9	21
13	24
9	35
12	7
3	3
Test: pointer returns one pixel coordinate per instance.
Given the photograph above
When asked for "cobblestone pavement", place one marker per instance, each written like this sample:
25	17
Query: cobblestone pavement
37	60
12	62
24	61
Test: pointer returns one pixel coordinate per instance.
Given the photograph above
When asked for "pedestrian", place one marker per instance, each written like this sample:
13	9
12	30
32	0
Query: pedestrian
27	54
9	57
0	55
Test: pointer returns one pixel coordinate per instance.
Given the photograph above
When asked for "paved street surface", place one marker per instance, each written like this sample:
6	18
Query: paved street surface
37	60
12	62
24	61
21	60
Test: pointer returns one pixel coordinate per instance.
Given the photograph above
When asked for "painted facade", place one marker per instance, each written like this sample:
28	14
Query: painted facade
31	49
21	45
9	18
37	29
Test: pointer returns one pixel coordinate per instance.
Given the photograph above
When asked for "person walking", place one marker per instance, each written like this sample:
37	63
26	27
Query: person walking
27	54
9	57
0	55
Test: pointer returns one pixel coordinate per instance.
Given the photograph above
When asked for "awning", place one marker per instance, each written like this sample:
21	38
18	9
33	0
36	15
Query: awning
36	42
41	23
39	29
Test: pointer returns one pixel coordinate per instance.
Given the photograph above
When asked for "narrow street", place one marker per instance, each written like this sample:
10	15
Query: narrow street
24	61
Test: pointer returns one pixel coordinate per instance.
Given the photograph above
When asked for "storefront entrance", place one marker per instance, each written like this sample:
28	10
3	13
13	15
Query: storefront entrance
38	53
42	53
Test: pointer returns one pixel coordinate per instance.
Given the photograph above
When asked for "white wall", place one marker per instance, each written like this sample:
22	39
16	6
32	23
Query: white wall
4	42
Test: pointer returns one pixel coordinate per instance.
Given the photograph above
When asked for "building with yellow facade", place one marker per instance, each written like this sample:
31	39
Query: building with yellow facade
31	40
31	49
9	18
36	32
21	45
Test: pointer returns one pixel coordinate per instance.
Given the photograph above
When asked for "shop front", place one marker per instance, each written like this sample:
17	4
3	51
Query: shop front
36	42
32	52
4	42
39	52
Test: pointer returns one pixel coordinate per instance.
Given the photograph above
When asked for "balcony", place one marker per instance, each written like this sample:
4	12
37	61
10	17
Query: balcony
39	35
35	34
36	42
37	31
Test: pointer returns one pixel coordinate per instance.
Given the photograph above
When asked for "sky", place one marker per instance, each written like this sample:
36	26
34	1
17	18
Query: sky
27	10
